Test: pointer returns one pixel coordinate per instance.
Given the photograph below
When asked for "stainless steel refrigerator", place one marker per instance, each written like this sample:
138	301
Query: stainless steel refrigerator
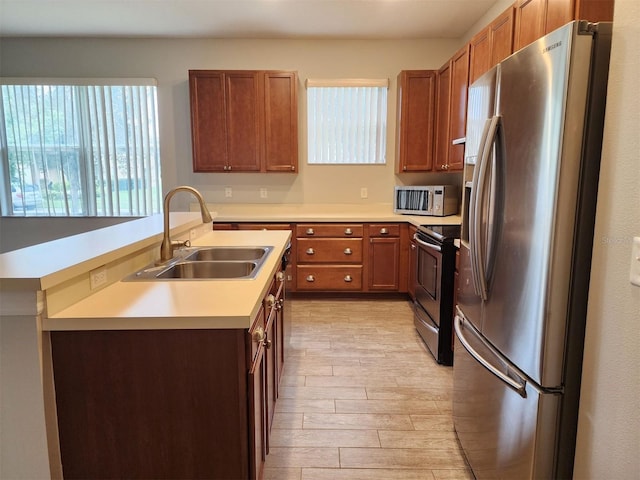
534	135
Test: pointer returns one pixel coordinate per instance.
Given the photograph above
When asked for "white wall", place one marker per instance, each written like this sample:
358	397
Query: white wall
168	60
608	444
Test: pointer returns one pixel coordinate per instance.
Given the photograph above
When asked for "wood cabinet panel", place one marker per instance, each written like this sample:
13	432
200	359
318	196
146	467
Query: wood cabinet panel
441	156
415	121
208	121
242	99
559	12
480	54
530	22
329	230
501	32
458	108
329	278
257	419
329	250
281	121
384	263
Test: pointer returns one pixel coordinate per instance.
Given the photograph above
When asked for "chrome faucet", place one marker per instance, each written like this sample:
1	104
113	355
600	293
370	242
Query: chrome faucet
167	246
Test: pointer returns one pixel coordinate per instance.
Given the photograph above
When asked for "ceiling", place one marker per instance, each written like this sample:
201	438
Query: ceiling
242	18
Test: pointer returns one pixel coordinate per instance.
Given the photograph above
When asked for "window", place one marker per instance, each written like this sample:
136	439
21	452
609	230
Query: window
71	148
347	121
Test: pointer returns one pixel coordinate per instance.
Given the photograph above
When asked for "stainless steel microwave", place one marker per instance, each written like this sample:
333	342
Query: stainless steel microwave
436	200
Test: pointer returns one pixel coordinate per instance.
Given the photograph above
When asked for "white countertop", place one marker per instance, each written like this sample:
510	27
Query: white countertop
180	304
265	212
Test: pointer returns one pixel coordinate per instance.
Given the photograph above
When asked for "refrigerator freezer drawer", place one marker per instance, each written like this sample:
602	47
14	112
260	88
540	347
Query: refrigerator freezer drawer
503	433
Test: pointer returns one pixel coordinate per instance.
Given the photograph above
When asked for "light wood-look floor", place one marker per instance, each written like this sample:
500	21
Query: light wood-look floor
362	398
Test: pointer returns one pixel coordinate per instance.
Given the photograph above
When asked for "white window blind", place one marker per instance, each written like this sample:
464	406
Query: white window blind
347	121
74	148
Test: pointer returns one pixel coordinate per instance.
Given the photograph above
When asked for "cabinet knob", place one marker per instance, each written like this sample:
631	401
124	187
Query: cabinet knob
348	231
348	279
347	251
280	276
413	247
268	343
384	231
445	167
310	231
271	300
229	168
310	278
310	251
258	335
293	168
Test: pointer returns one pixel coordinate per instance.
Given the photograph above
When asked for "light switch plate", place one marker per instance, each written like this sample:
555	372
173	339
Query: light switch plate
634	275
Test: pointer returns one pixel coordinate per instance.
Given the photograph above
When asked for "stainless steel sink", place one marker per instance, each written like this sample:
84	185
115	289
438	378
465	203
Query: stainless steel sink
207	263
214	269
228	253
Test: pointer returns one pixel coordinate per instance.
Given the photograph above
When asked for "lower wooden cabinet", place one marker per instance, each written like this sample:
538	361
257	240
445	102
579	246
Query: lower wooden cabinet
169	403
384	257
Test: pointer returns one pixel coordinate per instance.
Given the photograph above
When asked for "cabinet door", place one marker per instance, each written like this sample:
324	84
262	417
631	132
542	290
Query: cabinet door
242	95
559	12
441	157
480	54
281	121
530	22
414	127
458	109
384	263
208	121
270	369
257	418
501	33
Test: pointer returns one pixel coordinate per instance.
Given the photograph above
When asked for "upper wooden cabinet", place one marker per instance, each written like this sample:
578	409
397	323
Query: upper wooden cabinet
491	45
536	18
244	121
458	108
443	92
415	121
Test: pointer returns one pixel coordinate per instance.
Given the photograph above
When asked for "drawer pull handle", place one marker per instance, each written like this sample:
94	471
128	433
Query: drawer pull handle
310	278
310	251
348	231
258	335
310	231
384	231
348	279
280	276
268	343
347	251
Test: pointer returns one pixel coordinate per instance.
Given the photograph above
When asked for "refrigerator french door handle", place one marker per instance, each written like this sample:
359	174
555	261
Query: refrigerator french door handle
473	240
519	387
427	244
479	203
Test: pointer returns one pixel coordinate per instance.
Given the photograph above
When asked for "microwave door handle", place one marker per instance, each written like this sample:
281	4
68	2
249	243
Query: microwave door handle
518	386
433	246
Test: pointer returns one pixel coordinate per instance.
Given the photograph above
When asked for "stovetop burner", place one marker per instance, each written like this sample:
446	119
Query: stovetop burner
441	233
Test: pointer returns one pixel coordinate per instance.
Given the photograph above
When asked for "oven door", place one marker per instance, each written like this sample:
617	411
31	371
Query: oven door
429	276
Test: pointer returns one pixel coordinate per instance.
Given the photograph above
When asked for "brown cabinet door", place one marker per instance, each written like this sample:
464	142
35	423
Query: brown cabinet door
530	22
441	156
257	417
501	33
208	121
415	120
242	95
384	263
458	110
559	12
480	54
594	10
281	121
271	372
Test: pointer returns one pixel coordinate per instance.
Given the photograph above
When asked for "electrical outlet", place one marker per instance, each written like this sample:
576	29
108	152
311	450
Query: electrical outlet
193	233
98	277
228	193
364	193
263	193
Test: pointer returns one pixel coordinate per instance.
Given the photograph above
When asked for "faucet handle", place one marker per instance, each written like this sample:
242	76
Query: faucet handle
180	243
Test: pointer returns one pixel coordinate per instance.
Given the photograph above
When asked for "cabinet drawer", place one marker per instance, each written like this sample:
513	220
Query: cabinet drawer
384	230
329	250
329	277
329	230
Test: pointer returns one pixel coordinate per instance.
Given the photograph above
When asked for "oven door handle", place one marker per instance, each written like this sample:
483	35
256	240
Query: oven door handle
433	246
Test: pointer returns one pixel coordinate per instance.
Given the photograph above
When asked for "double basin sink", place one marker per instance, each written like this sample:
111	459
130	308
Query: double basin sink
206	263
